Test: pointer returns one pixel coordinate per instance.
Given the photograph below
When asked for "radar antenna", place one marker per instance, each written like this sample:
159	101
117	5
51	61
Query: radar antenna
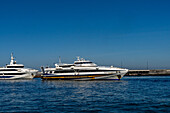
78	58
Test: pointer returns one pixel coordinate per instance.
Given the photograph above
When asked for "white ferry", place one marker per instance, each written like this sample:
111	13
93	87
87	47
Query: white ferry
16	71
82	70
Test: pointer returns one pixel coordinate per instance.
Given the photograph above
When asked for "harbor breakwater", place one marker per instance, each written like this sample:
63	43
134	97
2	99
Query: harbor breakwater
155	72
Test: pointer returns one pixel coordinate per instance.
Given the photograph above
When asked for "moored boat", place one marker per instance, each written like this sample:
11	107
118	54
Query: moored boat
82	70
16	71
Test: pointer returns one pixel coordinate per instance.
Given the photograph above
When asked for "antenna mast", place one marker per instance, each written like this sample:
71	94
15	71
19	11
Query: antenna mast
121	64
147	65
12	59
59	60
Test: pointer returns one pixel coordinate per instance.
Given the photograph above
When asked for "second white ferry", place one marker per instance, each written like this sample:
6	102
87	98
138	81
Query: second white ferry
16	71
82	70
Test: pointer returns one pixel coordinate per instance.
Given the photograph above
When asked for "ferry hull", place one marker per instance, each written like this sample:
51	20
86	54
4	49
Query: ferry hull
83	77
13	77
82	70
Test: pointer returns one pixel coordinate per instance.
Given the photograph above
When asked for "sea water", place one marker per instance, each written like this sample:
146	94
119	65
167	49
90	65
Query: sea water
130	94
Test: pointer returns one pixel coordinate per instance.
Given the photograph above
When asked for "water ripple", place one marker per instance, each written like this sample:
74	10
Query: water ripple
137	94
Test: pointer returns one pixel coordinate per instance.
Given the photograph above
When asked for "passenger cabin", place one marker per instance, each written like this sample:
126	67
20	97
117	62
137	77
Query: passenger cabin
64	65
84	63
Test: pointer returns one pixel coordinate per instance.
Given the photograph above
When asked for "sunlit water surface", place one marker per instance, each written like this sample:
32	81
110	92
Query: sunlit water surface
130	94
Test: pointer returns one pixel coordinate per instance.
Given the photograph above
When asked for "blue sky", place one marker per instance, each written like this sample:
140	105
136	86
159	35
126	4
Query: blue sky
107	32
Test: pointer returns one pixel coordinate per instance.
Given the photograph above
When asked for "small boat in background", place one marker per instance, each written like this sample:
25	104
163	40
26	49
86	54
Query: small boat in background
82	70
16	71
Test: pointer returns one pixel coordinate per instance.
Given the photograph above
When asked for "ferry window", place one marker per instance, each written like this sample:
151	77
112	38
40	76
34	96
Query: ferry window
78	63
15	66
64	71
8	70
88	62
83	62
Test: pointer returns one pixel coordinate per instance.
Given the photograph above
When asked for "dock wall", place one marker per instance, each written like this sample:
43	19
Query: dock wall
156	72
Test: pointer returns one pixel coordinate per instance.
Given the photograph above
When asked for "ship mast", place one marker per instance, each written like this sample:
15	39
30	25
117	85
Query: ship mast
59	60
12	59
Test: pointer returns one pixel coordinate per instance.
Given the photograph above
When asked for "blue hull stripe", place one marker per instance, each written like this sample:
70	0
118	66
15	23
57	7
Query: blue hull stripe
6	76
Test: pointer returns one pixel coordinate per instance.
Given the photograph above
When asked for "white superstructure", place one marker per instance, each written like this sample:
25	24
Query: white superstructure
16	71
82	70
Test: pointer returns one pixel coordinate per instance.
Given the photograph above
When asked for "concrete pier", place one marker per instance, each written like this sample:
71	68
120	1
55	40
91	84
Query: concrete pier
156	72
